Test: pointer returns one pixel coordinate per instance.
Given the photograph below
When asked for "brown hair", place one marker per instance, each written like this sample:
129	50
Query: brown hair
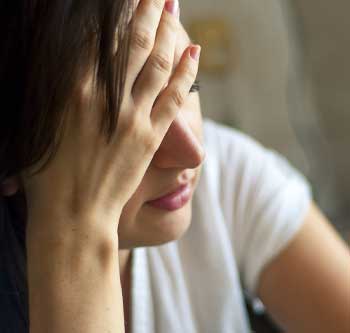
46	48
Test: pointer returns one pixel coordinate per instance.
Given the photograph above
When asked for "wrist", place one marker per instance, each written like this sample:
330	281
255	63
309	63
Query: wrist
71	251
73	277
63	215
58	229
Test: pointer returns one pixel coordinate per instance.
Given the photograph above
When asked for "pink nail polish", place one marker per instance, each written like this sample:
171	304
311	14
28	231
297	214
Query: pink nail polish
195	52
172	6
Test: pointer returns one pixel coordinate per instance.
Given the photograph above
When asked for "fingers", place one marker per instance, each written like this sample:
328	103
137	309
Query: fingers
157	70
144	24
171	100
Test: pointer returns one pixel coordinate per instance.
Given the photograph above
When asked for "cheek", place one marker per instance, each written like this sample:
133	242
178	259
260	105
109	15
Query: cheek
192	113
133	206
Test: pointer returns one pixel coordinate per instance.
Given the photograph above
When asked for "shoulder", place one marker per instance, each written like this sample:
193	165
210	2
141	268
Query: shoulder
234	151
220	138
238	155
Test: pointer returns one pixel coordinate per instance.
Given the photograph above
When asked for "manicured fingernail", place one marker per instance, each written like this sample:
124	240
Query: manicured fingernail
195	52
172	6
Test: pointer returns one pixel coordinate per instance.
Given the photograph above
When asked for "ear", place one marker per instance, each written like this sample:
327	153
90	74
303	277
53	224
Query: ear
10	186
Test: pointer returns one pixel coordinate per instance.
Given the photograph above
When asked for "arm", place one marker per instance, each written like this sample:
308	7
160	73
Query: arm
73	278
74	203
307	287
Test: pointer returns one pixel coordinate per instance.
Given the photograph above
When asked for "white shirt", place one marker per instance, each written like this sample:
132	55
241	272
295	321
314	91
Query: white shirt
248	205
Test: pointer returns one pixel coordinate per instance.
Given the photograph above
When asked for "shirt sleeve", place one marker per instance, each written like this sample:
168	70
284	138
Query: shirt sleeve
275	209
265	200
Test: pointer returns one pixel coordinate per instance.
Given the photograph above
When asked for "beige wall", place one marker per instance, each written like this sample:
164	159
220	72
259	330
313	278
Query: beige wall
326	27
256	95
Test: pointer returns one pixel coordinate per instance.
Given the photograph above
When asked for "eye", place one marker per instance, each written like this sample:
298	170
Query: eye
195	87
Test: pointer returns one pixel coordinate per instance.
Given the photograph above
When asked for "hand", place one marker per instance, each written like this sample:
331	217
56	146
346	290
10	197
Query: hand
89	177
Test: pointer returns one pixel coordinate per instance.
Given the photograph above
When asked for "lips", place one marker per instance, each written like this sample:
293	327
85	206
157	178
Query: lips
172	190
173	199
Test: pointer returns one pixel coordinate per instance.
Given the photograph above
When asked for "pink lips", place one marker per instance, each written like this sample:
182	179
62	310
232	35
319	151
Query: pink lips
173	201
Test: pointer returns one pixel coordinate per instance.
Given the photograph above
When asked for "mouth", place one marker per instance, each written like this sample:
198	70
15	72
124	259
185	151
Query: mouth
174	199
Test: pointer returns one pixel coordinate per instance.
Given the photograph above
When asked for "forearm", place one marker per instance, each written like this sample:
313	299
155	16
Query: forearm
306	287
73	280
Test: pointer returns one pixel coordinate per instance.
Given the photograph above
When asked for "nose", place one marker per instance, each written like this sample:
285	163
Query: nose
180	147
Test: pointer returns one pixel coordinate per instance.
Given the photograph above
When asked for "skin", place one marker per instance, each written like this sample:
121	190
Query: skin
306	287
143	225
94	191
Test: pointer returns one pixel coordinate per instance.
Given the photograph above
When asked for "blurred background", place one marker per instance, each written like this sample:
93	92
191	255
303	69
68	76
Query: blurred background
280	72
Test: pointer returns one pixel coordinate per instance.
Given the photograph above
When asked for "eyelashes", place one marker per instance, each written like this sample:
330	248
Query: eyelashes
195	87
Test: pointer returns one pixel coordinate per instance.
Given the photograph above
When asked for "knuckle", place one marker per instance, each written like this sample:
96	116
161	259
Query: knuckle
170	23
178	98
142	39
190	73
161	63
127	126
133	126
150	144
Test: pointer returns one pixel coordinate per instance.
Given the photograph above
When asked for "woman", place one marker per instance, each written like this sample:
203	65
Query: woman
105	149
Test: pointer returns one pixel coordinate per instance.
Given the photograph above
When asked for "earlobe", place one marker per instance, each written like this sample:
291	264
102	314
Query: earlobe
9	187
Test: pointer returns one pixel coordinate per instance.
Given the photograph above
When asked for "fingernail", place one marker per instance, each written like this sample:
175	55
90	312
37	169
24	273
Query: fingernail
195	52
172	6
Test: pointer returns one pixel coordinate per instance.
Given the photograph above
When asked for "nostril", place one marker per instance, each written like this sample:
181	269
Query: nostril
197	157
182	155
202	156
181	147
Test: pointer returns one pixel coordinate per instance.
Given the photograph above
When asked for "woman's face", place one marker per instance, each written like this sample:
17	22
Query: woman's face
177	162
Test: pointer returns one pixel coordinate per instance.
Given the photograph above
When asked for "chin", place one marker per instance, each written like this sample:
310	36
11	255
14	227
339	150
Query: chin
156	227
